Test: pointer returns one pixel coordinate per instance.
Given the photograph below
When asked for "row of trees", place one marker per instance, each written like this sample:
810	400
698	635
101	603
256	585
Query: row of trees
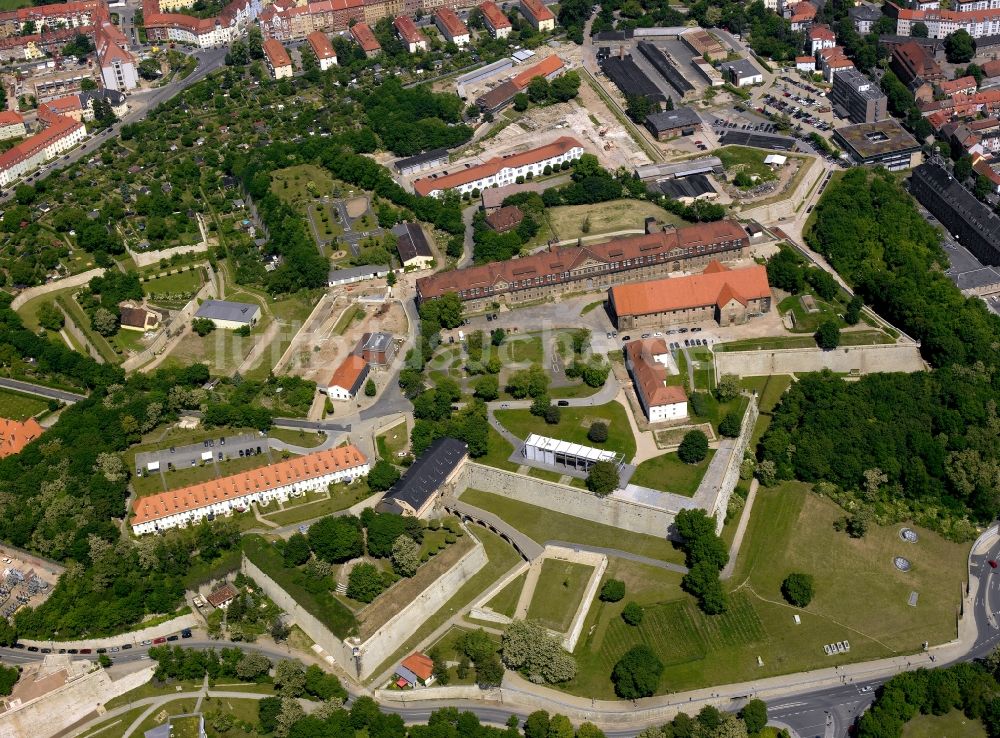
705	556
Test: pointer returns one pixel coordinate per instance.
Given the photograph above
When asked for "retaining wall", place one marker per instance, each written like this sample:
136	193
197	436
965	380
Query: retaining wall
134	636
846	359
731	476
383	643
148	258
60	284
625	514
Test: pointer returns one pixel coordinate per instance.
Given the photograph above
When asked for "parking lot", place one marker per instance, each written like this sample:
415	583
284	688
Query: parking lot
213	450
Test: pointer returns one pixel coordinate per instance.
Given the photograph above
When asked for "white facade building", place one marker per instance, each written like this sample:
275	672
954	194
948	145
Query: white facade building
280	481
60	136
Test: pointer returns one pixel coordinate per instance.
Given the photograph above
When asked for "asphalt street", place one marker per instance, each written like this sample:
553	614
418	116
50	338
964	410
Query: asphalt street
37	389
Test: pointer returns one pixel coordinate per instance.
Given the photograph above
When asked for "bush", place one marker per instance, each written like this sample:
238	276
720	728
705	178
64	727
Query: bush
202	326
552	415
798	589
828	335
693	448
598	432
365	582
613	590
632	614
730	425
637	673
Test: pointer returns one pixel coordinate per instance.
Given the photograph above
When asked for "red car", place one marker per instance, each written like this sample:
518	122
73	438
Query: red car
159	640
992	563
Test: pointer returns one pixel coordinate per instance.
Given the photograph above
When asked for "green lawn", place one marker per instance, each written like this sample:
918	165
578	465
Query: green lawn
13	4
502	557
572	391
17	406
499	450
544	525
573	426
448	646
952	725
292	184
505	601
558	593
742	159
392	441
174	289
341	497
545	474
347	317
297	437
668	473
847	338
806	322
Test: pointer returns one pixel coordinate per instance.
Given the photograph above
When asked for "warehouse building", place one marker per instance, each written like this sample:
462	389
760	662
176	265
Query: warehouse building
671	123
229	315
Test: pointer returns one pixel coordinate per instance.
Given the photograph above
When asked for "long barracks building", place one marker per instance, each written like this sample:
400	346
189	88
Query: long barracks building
590	267
289	478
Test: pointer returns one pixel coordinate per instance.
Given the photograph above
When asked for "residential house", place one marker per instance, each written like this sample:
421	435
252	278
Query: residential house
348	379
646	361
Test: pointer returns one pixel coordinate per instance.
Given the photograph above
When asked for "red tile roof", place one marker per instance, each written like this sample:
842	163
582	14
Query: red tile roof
419	664
561	145
950	87
822	33
348	372
15	435
548	65
712	287
452	23
321	45
537	9
803	12
10	118
505	218
245	483
276	54
493	15
408	30
658	246
222	595
650	375
365	38
60	127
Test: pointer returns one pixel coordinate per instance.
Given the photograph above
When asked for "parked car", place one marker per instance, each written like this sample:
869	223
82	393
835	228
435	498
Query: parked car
157	641
563	403
33	649
126	646
172	638
85	650
186	633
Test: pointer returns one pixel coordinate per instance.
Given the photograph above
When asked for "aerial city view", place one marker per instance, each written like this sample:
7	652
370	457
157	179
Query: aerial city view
556	369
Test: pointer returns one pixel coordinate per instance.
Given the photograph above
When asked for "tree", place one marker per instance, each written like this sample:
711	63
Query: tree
365	582
149	69
202	326
487	387
323	686
589	730
637	673
963	168
268	709
528	647
729	388
552	415
497	336
603	478
693	448
598	431
252	666
537	725
521	102
104	660
104	322
959	47
290	678
50	317
296	550
798	589
336	539
382	476
561	727
613	590
405	556
637	107
828	335
853	313
370	388
918	30
489	672
730	425
754	715
632	613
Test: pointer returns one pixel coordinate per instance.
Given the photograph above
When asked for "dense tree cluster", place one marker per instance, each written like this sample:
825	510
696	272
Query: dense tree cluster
705	554
174	662
527	647
969	687
414	119
711	723
770	34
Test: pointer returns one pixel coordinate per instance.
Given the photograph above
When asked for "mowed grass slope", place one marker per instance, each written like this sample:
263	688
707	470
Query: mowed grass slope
17	406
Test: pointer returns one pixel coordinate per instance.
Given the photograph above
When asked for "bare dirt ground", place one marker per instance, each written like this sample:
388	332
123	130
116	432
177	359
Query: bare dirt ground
356	207
323	352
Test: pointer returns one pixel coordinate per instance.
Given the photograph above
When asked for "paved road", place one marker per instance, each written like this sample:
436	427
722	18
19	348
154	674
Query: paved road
41	391
622	555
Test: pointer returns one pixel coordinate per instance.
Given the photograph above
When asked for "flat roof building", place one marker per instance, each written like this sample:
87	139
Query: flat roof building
857	98
883	143
742	73
559	454
229	315
422	161
376	348
350	275
418	489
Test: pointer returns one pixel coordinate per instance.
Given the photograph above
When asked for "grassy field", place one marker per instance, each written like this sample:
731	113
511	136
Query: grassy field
847	338
860	596
292	184
668	473
502	557
13	4
567	221
505	601
392	441
297	437
544	525
498	453
558	593
806	322
174	290
346	318
952	725
573	425
16	406
741	159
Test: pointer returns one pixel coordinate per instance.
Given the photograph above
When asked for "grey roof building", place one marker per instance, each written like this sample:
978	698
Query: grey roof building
416	492
227	314
412	245
742	72
686	189
679	122
857	98
425	160
883	143
356	274
864	16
